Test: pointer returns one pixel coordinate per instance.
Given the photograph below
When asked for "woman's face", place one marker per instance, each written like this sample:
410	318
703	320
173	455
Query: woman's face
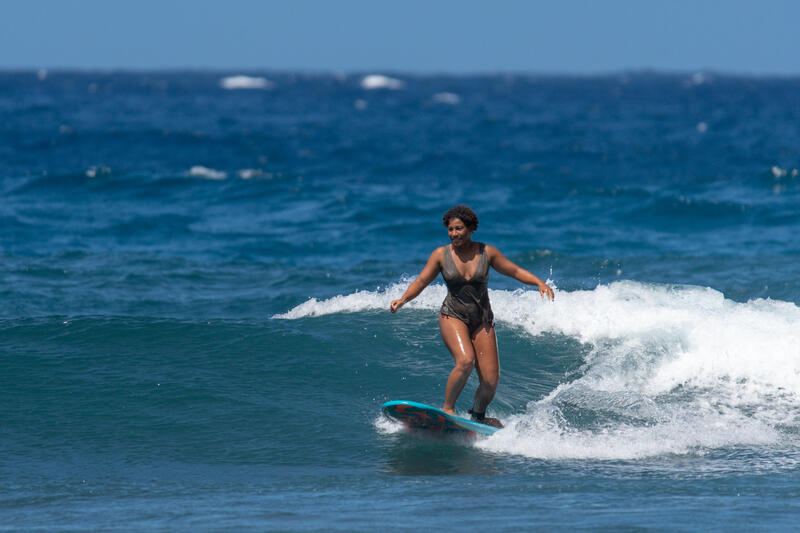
458	232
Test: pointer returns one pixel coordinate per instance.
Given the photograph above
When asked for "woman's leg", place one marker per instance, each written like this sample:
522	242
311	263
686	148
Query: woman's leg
456	337
484	342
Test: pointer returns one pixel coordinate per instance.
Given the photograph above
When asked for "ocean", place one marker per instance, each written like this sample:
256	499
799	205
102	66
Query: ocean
196	269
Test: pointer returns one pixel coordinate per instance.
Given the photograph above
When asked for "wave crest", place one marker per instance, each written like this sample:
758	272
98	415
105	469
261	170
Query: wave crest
670	369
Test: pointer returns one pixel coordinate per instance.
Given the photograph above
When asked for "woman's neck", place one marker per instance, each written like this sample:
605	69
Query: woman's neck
463	248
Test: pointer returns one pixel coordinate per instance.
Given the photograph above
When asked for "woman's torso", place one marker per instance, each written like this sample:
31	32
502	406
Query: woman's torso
467	299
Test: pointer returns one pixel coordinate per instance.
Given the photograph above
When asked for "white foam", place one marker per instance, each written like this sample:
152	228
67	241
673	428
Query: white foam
360	301
95	170
779	172
692	335
699	78
669	370
379	81
447	98
540	433
246	82
207	173
250	173
385	426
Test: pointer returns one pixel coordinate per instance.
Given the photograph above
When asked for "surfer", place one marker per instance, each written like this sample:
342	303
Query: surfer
466	318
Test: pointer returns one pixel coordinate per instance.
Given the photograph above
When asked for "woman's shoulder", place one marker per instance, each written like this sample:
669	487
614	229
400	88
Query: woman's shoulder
490	250
438	252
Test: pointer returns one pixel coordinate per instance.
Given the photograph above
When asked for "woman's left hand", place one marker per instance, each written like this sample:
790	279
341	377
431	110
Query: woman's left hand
546	292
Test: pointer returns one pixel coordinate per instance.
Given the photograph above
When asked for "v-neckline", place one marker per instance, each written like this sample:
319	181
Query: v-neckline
465	278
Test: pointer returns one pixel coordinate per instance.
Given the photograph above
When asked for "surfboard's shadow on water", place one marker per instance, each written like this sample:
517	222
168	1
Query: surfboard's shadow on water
422	453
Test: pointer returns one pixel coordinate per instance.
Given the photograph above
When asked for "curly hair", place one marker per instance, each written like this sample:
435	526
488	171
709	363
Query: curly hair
463	212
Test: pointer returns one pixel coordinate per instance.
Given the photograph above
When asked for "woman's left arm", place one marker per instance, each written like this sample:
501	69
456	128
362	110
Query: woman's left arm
507	268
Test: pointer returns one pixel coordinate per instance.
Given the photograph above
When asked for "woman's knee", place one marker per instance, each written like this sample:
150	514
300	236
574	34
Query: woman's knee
489	386
465	364
490	382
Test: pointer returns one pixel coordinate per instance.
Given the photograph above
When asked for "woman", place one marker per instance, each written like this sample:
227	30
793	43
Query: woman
466	319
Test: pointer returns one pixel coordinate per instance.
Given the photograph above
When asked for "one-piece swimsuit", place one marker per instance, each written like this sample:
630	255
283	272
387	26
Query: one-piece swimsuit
467	299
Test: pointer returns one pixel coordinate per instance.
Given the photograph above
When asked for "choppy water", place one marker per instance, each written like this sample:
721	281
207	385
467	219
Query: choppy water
194	283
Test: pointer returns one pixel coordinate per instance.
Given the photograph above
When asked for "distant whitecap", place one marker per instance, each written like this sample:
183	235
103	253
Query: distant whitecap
702	127
250	173
447	98
42	74
778	172
379	81
361	105
207	173
96	170
698	78
246	82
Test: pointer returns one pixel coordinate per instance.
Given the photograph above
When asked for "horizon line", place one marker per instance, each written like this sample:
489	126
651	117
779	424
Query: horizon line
6	69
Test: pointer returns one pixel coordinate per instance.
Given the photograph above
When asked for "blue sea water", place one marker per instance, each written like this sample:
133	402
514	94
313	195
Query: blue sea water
195	280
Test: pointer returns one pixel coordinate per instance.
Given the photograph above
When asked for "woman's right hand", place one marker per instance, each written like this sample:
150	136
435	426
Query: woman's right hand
396	304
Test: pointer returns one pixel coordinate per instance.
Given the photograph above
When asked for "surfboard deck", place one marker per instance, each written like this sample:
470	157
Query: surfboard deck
420	416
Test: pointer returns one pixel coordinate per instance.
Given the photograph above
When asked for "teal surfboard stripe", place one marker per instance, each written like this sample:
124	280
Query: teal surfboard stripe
420	415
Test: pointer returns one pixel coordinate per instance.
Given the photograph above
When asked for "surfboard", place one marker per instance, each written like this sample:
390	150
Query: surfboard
420	416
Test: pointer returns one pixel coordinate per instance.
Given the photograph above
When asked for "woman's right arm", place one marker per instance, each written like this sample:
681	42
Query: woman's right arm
428	274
